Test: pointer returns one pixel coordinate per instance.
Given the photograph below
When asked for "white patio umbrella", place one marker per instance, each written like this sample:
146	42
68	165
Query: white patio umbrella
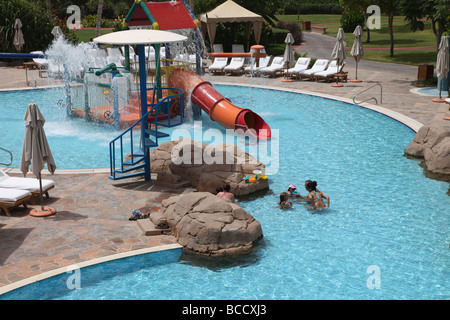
443	61
288	56
36	152
57	32
357	49
338	52
18	35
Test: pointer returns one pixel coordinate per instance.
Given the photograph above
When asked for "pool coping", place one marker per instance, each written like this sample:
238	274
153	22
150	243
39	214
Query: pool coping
45	275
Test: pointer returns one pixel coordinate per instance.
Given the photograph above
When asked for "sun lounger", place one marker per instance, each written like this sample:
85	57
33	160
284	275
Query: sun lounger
300	65
263	62
275	67
217	47
11	198
28	184
115	56
236	66
218	65
318	66
331	72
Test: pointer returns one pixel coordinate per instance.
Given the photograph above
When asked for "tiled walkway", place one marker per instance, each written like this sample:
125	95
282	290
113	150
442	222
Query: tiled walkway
91	222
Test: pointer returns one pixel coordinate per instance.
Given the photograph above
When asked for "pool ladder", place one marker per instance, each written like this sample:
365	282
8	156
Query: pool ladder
10	156
376	101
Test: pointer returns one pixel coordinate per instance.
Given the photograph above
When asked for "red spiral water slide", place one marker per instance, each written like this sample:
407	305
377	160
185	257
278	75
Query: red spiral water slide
219	108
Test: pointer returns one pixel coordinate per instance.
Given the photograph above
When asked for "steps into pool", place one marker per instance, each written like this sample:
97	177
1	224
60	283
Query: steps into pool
127	160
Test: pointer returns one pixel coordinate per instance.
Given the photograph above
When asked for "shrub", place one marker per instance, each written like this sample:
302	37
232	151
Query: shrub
36	26
349	21
293	28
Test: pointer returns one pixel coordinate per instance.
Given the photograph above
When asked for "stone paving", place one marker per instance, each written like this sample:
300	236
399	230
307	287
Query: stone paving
92	211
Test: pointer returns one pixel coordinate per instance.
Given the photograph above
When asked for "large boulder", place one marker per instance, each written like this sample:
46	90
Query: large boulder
432	143
206	224
207	167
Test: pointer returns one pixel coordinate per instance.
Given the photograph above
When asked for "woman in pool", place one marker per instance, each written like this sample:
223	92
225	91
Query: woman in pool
315	197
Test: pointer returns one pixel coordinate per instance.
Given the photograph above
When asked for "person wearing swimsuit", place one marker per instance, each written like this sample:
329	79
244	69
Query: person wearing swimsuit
315	197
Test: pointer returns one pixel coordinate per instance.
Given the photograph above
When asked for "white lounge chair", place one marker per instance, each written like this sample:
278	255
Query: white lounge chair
263	62
329	74
275	67
217	47
11	198
28	184
41	62
318	66
237	48
236	66
115	56
218	65
300	65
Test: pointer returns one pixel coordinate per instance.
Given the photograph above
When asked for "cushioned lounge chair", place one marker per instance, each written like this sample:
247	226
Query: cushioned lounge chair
263	62
318	66
218	65
300	65
276	67
236	66
330	73
28	184
11	198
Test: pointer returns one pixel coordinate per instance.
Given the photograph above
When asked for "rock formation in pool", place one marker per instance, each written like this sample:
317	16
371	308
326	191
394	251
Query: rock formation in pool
187	161
205	224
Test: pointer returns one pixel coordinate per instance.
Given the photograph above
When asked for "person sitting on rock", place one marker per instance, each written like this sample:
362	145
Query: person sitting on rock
226	194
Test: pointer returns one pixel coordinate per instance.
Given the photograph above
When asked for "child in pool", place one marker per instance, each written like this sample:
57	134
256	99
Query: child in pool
292	192
284	201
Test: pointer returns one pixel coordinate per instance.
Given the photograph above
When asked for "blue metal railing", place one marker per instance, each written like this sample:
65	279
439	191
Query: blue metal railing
157	110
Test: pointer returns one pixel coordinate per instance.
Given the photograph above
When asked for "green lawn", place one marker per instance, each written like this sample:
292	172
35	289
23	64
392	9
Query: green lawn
403	37
84	35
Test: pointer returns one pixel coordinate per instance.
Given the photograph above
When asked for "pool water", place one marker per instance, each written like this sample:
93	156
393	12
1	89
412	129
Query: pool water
74	143
385	235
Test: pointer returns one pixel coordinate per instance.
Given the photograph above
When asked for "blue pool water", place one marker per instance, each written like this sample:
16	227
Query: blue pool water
384	216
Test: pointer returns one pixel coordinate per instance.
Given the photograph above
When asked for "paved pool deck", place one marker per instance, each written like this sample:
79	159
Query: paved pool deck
93	211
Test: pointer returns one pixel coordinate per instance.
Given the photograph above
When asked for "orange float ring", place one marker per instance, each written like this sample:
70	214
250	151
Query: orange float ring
446	118
38	212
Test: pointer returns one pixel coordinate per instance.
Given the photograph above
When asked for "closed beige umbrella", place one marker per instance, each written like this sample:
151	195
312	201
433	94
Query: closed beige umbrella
288	56
339	52
357	49
443	62
18	35
36	151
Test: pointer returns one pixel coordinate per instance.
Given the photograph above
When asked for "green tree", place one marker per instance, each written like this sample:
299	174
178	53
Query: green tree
99	17
391	8
358	6
437	11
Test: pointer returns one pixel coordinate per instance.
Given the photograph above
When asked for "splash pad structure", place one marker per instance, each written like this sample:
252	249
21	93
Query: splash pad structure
142	94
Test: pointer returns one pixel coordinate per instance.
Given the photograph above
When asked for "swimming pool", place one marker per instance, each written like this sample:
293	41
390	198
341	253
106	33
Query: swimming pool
387	222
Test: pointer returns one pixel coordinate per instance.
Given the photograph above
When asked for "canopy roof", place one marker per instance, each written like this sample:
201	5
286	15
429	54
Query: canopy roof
230	11
144	36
